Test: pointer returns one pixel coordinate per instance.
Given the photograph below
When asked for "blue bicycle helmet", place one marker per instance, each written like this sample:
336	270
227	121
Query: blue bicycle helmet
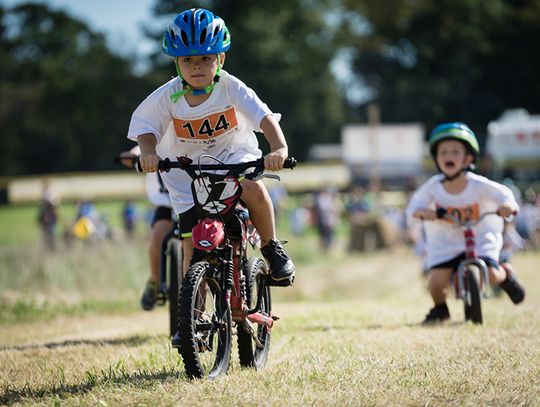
456	131
196	32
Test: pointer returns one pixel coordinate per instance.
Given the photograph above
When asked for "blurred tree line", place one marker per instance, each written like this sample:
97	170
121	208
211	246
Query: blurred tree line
66	98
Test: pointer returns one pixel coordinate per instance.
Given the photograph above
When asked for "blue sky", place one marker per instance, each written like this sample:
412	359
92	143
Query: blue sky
120	20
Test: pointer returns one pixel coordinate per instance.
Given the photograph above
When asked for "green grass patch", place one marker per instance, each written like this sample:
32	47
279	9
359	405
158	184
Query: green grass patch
31	310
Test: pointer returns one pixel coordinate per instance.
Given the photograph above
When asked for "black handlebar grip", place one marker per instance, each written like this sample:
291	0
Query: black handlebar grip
164	165
441	213
290	163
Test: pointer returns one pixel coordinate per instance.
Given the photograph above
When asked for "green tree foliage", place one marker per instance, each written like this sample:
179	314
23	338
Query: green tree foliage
283	51
433	61
66	99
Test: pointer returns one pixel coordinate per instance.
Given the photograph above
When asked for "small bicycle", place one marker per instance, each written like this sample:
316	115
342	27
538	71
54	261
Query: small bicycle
223	286
471	281
170	275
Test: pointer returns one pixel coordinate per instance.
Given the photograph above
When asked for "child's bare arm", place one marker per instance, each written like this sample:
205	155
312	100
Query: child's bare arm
425	214
148	158
506	210
278	145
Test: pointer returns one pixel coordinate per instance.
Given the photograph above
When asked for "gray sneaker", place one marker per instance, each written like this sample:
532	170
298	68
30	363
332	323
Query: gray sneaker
149	297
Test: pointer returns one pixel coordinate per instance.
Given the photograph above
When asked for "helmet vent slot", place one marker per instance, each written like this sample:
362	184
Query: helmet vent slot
184	37
203	36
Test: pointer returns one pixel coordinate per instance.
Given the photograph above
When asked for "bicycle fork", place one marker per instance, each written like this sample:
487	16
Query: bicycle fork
471	258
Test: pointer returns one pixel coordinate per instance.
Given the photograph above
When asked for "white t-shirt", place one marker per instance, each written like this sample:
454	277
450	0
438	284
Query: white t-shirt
444	241
156	190
222	126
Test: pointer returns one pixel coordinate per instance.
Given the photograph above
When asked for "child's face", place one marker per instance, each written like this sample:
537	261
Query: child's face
452	156
199	70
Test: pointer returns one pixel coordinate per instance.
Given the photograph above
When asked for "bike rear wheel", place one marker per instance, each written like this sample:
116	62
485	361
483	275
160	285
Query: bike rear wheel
175	280
205	323
473	302
254	339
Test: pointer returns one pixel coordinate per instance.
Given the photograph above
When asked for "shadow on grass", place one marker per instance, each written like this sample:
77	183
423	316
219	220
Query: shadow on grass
370	327
28	394
135	340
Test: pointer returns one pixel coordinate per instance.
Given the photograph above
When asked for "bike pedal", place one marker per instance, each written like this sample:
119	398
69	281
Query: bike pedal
279	283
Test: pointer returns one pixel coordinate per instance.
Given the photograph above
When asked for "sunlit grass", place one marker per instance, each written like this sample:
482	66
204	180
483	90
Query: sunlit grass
72	334
363	348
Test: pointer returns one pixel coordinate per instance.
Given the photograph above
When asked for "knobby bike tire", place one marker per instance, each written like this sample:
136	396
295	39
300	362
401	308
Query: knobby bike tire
473	300
175	280
204	323
250	354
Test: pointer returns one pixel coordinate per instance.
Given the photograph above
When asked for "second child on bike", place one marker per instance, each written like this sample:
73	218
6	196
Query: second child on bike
454	149
207	111
162	223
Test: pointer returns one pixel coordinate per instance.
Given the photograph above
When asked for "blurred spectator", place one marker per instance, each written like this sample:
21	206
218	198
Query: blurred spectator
129	217
326	210
278	196
300	217
48	216
89	225
366	226
528	219
85	208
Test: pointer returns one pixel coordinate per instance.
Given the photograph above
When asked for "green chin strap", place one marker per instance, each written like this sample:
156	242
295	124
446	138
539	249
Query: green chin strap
187	87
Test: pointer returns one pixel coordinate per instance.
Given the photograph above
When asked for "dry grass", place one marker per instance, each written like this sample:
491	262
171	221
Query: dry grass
348	335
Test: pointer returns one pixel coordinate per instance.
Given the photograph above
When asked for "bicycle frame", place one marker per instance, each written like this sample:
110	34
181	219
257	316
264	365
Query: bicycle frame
471	257
231	252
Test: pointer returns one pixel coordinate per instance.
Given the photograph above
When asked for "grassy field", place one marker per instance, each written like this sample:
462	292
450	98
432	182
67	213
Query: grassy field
349	334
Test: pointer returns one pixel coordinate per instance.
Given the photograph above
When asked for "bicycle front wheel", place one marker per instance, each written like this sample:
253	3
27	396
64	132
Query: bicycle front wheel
253	339
473	302
205	323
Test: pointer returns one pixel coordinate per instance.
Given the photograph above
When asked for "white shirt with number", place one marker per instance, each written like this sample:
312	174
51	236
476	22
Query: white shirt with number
444	241
222	126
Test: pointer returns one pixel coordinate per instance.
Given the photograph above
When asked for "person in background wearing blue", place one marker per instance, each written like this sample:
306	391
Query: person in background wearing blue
129	218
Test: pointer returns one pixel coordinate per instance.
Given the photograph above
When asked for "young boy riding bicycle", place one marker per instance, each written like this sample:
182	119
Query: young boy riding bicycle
454	149
206	111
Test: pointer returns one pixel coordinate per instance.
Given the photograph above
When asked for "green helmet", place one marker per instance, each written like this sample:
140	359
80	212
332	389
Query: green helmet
454	131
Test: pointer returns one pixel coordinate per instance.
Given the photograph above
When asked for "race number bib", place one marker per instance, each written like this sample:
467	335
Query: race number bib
466	213
206	128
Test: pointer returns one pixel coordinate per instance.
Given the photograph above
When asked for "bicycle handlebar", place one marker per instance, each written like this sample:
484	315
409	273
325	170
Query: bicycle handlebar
442	213
187	165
